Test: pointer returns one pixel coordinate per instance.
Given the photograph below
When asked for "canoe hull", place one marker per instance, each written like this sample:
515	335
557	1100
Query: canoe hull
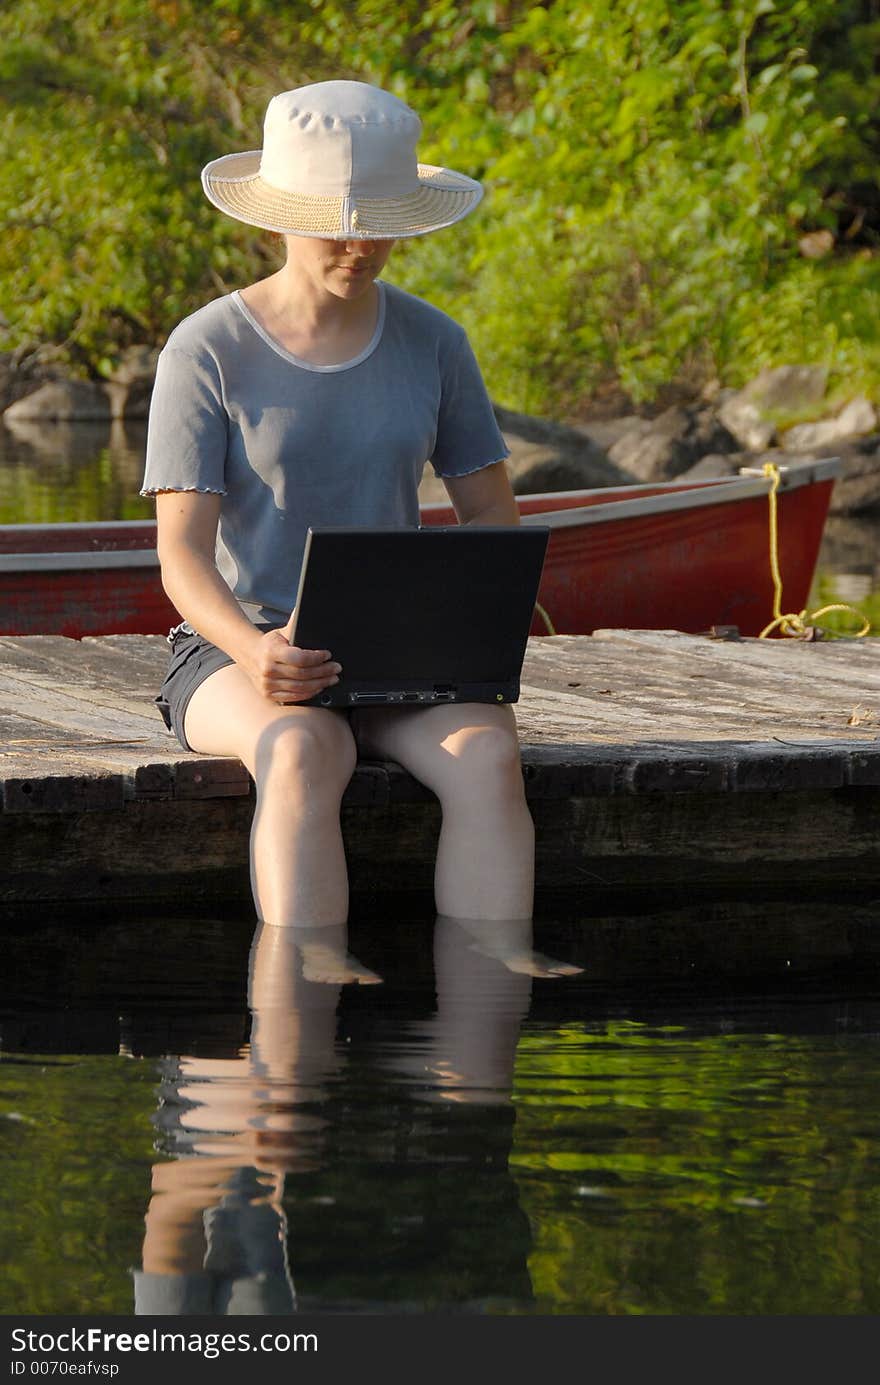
79	603
713	570
673	556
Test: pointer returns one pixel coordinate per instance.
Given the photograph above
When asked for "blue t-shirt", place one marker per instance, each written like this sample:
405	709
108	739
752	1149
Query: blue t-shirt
289	444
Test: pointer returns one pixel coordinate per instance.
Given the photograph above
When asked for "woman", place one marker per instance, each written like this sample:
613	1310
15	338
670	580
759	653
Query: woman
316	396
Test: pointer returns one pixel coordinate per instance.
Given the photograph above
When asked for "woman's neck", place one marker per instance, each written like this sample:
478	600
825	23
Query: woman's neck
311	323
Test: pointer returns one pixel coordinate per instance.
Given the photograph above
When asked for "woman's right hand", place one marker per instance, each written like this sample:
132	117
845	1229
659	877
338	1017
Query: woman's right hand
187	524
286	674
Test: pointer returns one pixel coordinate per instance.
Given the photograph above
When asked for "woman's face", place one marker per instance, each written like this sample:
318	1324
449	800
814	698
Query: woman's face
344	268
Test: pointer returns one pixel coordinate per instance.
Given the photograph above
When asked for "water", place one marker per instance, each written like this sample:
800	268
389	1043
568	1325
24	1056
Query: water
677	1130
81	471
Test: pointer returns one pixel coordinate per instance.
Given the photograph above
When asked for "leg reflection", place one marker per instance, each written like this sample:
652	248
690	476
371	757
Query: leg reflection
483	972
236	1127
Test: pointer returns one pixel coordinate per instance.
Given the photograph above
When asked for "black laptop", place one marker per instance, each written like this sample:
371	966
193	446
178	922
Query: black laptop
433	615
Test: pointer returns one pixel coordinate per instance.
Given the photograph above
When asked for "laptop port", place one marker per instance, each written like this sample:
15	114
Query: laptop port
365	698
410	697
443	692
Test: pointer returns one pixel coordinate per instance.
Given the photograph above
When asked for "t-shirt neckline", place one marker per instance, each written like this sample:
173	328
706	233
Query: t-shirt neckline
309	365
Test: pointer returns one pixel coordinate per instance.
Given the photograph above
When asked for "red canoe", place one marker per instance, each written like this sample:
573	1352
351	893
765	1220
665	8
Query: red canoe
681	555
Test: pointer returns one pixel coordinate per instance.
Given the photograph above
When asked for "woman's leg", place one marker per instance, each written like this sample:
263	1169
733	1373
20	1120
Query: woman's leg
301	759
469	755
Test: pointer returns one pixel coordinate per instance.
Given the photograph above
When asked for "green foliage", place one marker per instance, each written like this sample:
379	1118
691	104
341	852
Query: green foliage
650	171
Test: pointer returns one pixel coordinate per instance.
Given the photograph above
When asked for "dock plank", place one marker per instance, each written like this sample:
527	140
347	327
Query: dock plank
707	686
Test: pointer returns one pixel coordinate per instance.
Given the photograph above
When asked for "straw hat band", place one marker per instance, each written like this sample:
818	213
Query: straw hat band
440	199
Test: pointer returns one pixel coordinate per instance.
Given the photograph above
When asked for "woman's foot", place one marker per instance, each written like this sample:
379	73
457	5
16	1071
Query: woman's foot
509	941
324	963
316	952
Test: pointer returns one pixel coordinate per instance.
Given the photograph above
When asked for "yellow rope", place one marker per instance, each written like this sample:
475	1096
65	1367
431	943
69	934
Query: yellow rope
792	624
546	619
795	625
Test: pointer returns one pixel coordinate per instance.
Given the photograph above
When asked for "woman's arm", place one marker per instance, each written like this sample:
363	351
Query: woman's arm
187	532
483	497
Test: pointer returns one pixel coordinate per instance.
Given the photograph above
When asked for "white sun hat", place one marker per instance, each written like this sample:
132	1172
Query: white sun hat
339	161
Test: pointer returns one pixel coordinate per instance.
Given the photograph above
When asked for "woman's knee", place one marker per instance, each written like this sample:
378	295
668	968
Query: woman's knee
485	764
308	751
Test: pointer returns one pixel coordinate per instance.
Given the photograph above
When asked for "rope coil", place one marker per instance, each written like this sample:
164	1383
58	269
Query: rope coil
795	624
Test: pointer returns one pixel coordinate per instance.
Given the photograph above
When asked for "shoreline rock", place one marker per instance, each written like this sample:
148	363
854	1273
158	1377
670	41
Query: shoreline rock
35	388
61	401
549	456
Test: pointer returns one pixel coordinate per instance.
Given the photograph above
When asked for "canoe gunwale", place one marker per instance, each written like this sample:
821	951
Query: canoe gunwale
79	560
682	497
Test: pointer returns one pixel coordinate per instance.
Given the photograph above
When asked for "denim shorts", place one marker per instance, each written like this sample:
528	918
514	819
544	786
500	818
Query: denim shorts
193	659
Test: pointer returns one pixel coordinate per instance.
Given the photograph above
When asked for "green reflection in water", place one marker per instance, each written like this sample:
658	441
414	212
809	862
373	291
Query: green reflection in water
666	1173
75	1155
826	590
63	472
662	1171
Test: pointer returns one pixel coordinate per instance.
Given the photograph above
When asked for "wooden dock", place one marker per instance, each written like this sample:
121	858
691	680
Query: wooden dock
651	759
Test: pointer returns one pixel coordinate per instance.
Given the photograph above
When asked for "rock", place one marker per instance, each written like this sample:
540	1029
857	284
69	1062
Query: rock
857	417
548	456
661	448
787	389
61	399
782	389
716	464
556	474
744	419
26	377
815	245
713	392
605	432
19	375
857	488
131	384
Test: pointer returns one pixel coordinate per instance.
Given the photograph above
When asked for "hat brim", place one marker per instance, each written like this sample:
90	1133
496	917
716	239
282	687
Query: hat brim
233	184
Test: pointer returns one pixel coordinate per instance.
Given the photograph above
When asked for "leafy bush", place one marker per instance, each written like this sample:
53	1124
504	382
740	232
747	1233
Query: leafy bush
651	169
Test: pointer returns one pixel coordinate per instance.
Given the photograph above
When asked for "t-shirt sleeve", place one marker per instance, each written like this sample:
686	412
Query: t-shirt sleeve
468	437
187	429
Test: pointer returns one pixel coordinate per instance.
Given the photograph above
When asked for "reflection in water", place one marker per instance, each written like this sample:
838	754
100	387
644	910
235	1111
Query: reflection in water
240	1130
849	547
692	1128
54	472
83	471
